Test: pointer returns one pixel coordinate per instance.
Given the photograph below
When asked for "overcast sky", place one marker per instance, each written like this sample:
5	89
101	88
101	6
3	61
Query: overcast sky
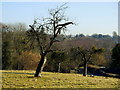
90	17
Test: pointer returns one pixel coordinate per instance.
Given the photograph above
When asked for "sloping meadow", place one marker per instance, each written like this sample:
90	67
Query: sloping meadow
26	79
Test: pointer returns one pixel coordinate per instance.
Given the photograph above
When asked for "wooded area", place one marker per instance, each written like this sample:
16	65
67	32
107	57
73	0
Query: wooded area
21	54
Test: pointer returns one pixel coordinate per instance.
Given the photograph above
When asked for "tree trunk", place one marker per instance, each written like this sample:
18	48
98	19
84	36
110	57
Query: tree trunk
40	66
59	67
85	68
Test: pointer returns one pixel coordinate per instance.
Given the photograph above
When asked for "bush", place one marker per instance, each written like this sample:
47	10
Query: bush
28	60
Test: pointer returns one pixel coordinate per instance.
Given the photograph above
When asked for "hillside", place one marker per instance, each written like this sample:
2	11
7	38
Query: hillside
25	79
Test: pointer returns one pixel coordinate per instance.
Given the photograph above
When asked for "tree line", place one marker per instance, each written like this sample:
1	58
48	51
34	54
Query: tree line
17	51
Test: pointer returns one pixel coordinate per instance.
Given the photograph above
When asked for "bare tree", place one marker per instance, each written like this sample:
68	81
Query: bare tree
46	32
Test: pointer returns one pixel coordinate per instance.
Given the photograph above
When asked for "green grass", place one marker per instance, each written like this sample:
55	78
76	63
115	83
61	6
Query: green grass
25	79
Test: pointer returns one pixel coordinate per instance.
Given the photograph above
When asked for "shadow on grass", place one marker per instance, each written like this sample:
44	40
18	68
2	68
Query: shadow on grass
117	76
32	77
17	73
109	75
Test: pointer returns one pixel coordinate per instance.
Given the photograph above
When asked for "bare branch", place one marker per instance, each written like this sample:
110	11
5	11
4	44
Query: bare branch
65	24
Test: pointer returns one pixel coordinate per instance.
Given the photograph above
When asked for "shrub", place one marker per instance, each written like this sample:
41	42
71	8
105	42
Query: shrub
28	60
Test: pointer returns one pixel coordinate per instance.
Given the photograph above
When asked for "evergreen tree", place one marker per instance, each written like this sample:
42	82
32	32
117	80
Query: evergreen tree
116	57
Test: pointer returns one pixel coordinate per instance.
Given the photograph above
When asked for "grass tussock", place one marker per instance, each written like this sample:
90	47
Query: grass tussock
25	79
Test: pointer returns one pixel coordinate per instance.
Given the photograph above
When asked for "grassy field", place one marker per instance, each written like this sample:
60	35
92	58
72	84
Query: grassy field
25	79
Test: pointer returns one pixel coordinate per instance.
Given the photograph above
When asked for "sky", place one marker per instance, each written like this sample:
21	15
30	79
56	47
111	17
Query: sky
90	17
